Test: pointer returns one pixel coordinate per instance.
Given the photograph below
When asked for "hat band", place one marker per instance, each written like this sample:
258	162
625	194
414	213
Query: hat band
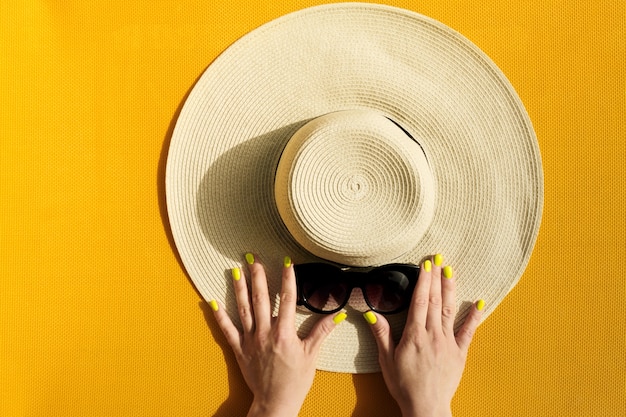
355	188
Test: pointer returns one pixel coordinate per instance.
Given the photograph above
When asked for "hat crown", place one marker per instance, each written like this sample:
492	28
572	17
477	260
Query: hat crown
354	188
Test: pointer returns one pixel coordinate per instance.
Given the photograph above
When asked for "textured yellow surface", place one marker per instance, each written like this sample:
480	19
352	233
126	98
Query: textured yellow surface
97	317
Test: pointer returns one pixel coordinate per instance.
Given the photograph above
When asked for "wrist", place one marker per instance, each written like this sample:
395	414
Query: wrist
260	408
443	411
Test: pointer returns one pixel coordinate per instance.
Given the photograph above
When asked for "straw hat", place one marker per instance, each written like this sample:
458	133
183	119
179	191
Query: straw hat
360	134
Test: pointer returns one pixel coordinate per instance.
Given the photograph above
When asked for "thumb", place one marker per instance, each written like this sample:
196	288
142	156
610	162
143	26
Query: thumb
322	329
466	332
382	334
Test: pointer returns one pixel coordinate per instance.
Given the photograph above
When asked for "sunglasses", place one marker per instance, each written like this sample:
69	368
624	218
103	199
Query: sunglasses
325	288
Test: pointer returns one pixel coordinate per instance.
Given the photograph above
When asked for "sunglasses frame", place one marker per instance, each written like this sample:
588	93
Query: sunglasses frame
358	278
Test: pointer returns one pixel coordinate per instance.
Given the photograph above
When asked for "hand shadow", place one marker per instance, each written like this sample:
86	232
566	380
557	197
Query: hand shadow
371	392
160	180
239	395
370	388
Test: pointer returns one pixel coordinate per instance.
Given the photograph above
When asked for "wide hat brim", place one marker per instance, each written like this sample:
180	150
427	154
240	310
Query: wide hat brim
436	84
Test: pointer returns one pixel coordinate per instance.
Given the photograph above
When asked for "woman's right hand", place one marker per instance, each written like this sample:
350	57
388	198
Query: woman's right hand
424	370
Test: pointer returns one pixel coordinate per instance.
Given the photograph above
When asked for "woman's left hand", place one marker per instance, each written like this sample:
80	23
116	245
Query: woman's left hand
277	365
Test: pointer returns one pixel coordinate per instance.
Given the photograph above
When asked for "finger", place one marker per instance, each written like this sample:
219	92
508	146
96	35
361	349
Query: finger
382	334
260	294
467	330
419	303
246	315
448	297
288	297
233	337
321	330
433	315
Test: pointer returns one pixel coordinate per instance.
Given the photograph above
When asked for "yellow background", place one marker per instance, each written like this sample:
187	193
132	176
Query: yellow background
97	316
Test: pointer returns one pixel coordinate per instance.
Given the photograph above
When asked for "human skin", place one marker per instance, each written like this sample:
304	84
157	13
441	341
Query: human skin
422	371
277	365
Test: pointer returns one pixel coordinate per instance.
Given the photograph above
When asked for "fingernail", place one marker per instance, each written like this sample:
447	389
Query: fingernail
370	317
438	259
428	265
214	305
340	317
249	258
236	274
480	304
287	262
447	271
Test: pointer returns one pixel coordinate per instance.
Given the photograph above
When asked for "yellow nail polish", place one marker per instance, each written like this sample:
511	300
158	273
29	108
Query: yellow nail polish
438	259
340	317
428	265
447	271
287	262
480	304
236	274
214	305
249	258
370	317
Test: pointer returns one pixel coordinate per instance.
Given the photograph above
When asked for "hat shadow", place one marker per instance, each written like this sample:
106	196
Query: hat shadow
235	204
161	192
235	225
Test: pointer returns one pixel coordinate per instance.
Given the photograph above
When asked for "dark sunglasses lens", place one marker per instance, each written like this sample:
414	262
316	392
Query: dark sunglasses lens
320	286
325	296
388	291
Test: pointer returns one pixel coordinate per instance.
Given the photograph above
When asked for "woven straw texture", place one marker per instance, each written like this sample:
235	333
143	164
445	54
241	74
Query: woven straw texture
352	187
481	150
